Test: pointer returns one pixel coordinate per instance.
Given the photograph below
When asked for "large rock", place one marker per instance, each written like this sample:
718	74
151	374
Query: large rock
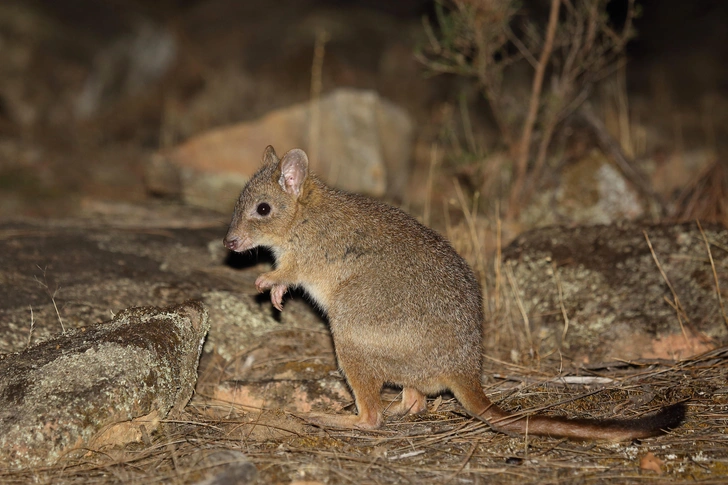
101	385
591	190
363	145
616	301
74	273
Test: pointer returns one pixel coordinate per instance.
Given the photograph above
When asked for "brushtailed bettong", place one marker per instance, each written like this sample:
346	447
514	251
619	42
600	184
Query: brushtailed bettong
403	307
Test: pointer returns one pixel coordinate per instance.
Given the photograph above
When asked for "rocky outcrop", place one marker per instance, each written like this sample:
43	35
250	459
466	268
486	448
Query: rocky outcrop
100	385
596	292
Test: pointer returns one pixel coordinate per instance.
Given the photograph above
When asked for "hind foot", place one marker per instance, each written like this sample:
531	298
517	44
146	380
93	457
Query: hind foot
343	421
413	402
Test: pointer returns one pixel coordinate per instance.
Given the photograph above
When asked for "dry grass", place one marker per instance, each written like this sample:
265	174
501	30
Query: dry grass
446	446
52	296
675	303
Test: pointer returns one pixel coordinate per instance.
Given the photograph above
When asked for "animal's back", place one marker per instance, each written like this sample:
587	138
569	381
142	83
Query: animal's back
409	302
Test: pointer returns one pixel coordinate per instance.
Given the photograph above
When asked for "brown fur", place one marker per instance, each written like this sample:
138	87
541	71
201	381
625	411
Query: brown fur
403	306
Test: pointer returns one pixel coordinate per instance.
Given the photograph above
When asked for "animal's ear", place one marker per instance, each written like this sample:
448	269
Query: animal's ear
294	170
269	156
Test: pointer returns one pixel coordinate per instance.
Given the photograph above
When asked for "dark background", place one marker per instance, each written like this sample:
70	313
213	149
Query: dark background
235	60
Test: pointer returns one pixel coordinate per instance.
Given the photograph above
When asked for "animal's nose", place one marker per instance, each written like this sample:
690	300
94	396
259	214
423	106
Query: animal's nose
231	242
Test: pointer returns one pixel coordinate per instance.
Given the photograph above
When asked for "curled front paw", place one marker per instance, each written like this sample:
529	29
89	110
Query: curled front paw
276	296
277	290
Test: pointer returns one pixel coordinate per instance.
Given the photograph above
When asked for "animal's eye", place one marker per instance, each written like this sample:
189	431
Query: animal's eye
263	209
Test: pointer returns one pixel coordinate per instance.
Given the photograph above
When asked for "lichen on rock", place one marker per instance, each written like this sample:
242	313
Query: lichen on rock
97	386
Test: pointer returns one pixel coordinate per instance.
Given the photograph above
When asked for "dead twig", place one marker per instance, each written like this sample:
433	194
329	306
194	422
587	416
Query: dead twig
554	272
430	182
317	64
676	300
715	274
32	324
519	302
465	461
470	218
44	284
497	260
561	380
526	135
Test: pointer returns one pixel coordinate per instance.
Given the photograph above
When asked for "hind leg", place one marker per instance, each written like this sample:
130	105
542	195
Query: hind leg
413	402
368	402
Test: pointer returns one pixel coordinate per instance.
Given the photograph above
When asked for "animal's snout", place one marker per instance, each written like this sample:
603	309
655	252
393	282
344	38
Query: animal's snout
231	242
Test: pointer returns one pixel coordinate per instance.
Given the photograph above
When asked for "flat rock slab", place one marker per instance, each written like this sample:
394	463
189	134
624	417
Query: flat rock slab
75	273
101	385
605	282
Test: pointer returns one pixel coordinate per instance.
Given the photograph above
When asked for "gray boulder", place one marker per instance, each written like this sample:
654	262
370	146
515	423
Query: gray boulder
98	386
617	303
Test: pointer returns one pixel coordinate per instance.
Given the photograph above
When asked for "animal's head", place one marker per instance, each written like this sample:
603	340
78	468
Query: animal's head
269	202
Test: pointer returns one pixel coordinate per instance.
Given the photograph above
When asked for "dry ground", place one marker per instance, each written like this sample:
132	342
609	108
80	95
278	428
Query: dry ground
445	445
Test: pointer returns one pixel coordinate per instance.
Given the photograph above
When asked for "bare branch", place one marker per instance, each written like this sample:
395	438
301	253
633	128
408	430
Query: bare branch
523	148
578	46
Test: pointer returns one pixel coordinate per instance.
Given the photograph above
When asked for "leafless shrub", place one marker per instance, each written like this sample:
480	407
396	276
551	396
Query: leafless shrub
576	46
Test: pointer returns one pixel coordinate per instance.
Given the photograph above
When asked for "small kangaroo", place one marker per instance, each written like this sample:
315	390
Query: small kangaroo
404	308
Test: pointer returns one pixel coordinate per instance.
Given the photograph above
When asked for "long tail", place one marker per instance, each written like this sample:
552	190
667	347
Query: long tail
479	406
